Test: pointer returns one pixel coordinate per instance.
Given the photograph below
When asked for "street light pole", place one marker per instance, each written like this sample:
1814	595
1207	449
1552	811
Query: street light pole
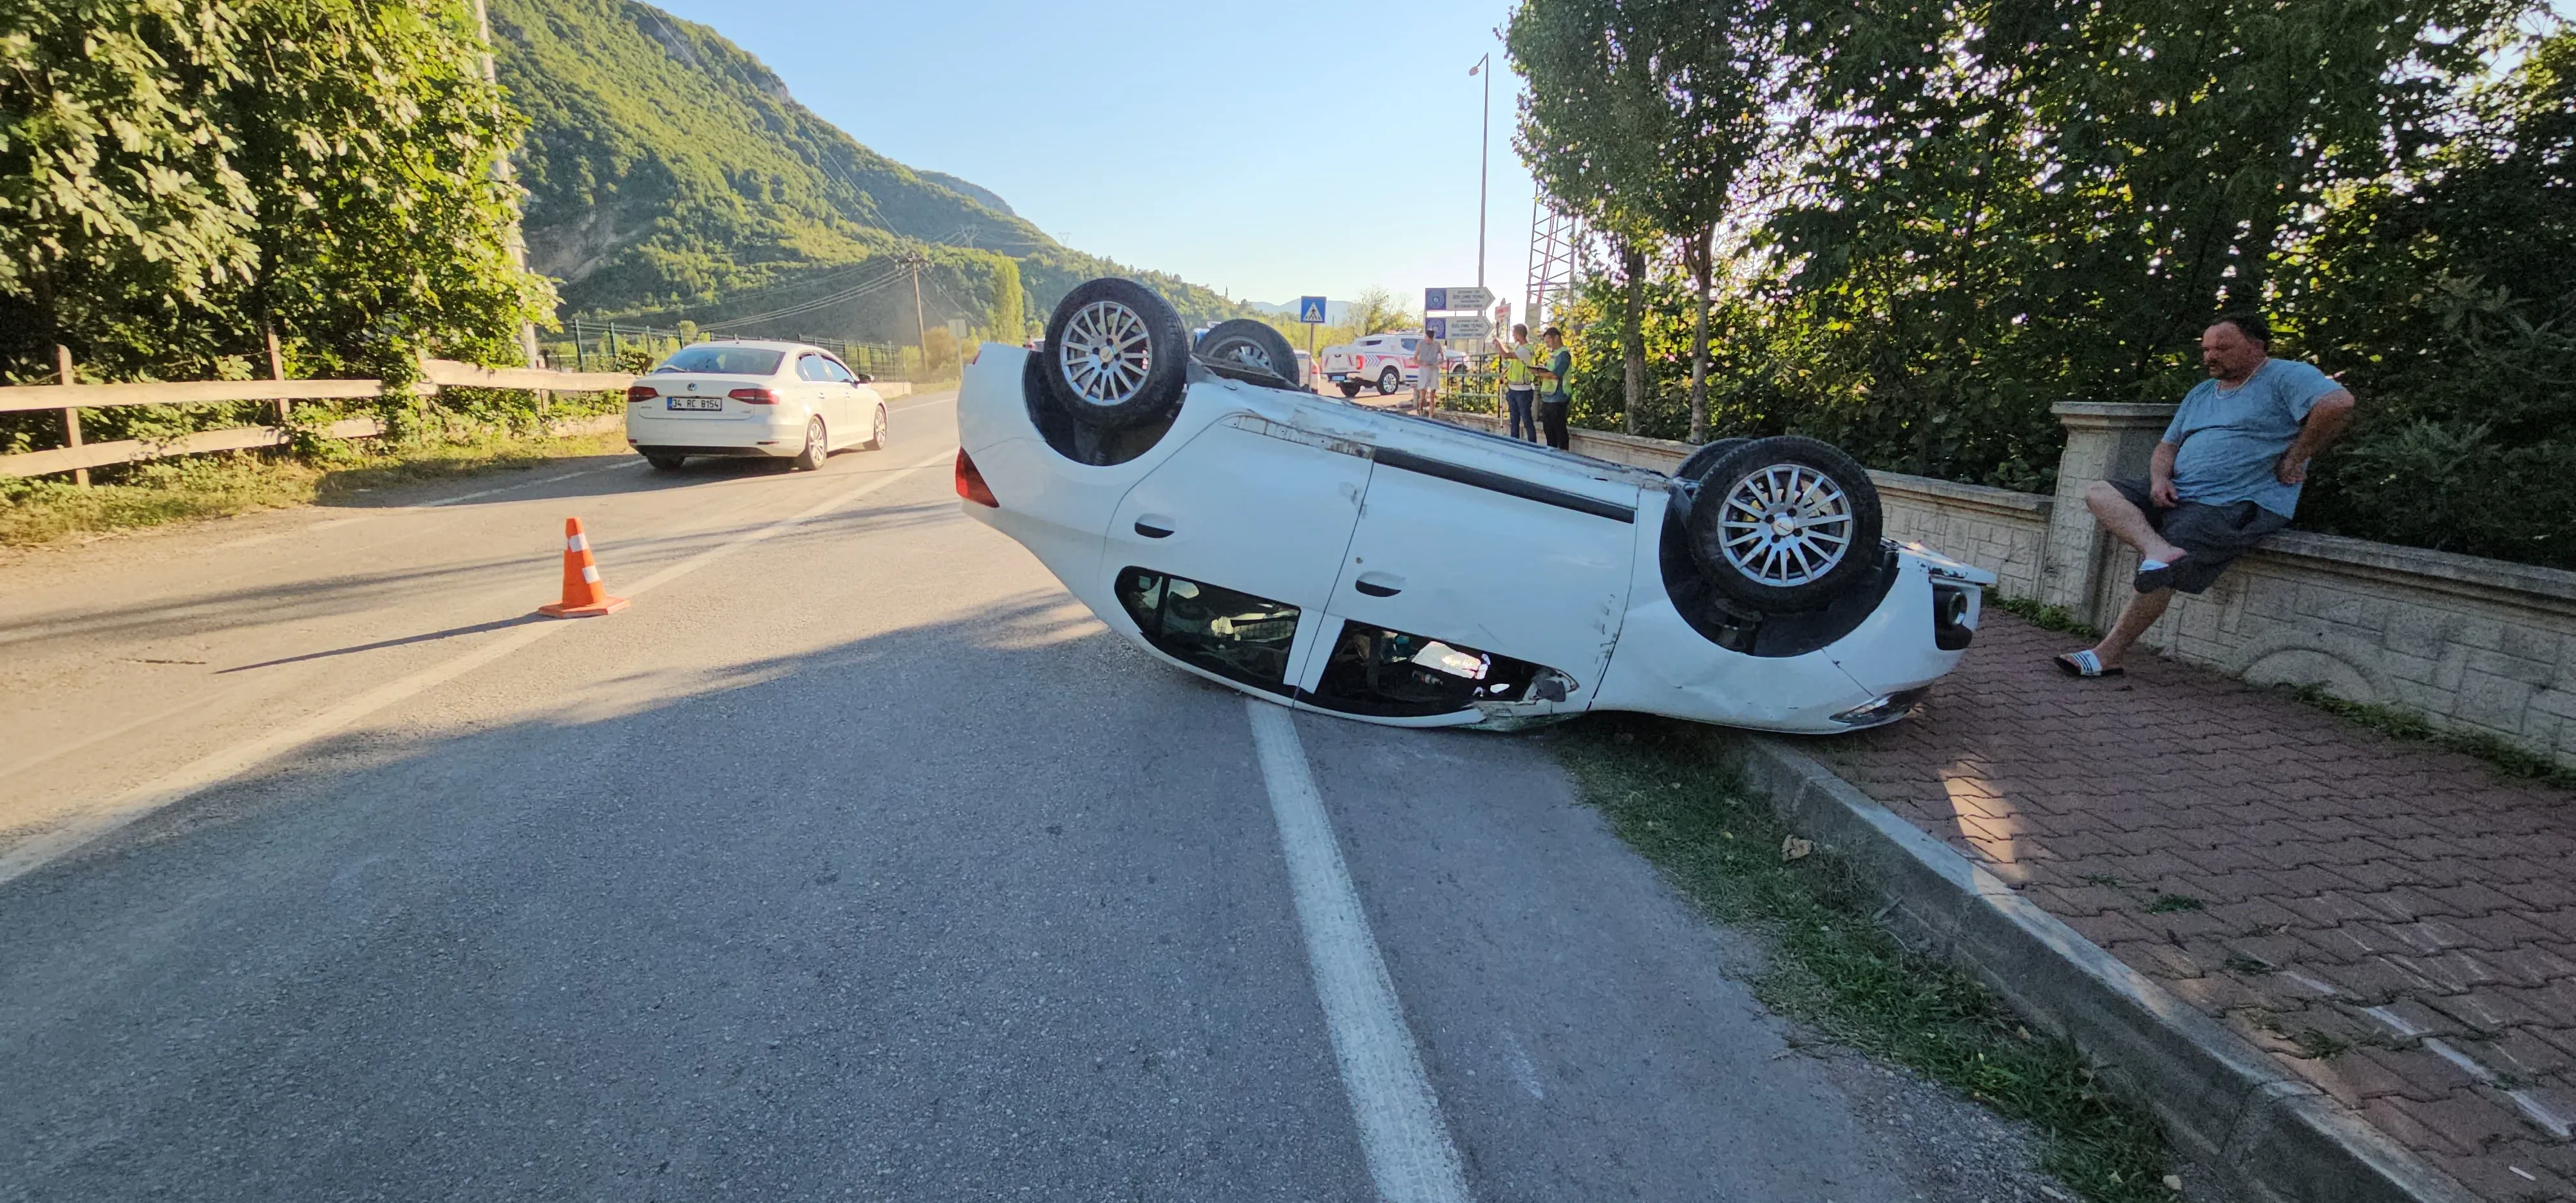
1484	158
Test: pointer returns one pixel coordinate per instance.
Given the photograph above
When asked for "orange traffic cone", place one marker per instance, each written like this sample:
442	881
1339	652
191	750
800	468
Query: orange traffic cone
583	595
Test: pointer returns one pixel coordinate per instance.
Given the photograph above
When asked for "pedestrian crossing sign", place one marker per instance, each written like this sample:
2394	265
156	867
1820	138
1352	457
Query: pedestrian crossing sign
1310	310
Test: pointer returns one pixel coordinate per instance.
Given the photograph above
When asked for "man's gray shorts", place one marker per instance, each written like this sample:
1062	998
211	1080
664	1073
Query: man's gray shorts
2214	534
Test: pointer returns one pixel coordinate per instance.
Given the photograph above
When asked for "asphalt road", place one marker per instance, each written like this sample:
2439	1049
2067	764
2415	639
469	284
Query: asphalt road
853	861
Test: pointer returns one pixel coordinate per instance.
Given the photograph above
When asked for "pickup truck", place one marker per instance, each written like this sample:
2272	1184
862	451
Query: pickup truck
1382	360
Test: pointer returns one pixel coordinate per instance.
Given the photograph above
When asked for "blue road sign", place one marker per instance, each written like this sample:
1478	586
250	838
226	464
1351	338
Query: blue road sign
1435	299
1439	326
1310	310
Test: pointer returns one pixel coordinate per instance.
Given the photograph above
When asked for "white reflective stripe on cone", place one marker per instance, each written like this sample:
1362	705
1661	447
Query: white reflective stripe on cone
589	574
577	543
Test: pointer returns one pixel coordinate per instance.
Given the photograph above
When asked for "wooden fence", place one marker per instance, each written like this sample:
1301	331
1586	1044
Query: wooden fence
77	457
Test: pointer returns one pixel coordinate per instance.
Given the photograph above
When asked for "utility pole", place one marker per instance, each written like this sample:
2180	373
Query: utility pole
1484	158
920	328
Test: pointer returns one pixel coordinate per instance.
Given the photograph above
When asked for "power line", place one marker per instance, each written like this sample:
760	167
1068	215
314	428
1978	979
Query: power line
859	290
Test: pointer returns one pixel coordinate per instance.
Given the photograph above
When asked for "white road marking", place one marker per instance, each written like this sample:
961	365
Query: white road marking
1401	1133
222	765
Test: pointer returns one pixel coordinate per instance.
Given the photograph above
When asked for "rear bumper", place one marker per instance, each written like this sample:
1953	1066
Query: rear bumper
731	452
781	434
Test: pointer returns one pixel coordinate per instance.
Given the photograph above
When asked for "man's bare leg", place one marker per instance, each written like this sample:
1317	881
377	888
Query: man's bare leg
2130	526
2142	612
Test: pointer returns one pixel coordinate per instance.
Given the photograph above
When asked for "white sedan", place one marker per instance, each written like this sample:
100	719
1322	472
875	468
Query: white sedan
754	399
1403	571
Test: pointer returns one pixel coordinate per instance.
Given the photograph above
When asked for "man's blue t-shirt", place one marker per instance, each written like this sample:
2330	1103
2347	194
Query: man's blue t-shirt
2232	439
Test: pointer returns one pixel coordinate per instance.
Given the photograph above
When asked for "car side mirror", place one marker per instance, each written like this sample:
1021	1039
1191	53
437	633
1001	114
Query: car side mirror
864	378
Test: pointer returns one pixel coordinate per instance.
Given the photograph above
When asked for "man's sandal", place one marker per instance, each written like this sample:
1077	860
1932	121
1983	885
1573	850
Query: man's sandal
2155	574
2086	664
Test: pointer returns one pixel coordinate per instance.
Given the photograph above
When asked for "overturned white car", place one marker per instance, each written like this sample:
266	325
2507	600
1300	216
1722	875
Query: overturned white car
1411	572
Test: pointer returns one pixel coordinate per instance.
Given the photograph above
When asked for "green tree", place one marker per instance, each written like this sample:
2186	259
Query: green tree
1591	130
1009	321
180	176
120	202
1642	115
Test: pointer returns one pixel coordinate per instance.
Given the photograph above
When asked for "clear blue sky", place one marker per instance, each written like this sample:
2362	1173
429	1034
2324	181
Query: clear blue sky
1221	142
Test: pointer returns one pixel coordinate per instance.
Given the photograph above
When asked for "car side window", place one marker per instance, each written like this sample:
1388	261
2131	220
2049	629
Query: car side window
832	370
1396	674
1410	343
1234	635
810	367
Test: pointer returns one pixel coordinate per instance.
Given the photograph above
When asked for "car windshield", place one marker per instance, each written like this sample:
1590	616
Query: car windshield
722	359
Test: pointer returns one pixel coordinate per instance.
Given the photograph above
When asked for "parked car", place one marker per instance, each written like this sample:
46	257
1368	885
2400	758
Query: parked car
752	399
1404	571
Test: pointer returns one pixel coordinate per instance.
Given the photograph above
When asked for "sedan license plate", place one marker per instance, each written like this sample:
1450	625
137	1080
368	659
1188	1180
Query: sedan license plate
696	402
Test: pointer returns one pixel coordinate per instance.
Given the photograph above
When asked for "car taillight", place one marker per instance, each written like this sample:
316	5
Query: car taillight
639	392
754	396
970	483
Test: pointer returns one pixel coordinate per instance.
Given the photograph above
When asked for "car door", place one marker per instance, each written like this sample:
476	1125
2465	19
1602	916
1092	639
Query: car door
858	399
829	399
1527	561
1249	518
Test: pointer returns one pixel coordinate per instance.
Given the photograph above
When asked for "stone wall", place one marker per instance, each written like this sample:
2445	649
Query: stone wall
2474	645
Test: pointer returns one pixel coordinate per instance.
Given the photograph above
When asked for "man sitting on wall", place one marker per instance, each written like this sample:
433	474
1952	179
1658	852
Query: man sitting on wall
2226	473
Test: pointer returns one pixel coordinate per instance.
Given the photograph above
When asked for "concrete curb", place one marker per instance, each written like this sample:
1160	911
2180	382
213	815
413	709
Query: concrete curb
2275	1138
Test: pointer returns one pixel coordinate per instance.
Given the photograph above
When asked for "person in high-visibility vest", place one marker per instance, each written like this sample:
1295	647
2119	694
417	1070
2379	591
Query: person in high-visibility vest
1520	384
1554	374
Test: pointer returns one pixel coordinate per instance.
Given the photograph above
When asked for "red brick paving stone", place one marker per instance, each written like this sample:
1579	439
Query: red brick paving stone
2431	897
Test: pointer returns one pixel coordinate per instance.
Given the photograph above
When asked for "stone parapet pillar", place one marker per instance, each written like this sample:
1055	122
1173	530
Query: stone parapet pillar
2103	439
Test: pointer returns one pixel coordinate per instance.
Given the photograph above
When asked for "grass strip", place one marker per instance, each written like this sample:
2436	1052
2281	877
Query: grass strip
1667	790
2508	760
38	511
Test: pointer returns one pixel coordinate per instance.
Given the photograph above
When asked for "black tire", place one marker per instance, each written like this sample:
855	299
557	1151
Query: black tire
1764	532
1241	343
1143	383
664	461
877	433
1388	381
818	446
1707	453
1350	388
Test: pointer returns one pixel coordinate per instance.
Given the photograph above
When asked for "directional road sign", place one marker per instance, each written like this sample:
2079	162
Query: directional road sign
1310	310
1436	299
1465	325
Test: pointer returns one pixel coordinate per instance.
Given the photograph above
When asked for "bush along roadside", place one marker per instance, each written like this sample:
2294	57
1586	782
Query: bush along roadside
1667	791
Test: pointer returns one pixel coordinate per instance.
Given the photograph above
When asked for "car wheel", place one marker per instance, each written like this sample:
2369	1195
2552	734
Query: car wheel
1244	343
1350	388
665	461
1388	381
1784	523
1118	355
877	438
1707	453
816	448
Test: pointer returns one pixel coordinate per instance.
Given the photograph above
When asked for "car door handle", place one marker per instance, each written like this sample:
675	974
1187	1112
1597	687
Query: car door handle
1379	584
1154	528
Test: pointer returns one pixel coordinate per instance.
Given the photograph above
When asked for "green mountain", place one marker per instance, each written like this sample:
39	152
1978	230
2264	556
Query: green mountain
671	176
